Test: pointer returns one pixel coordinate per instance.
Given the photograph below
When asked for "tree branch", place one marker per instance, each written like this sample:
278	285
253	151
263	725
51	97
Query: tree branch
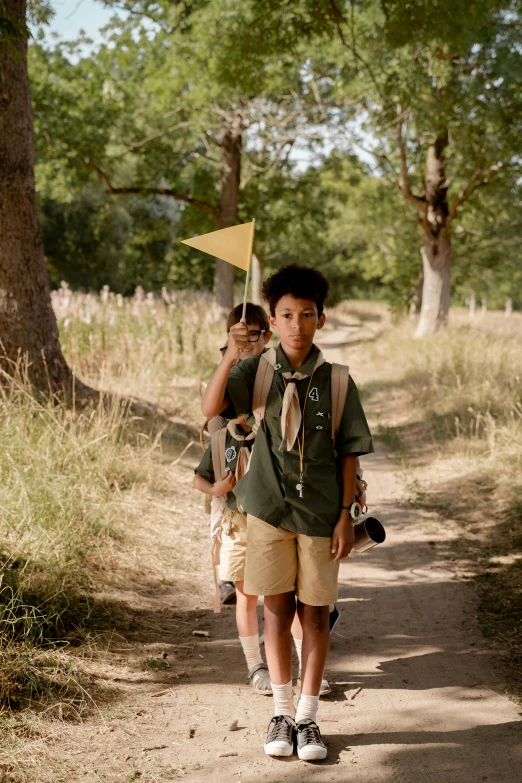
476	180
339	20
266	171
143	191
143	14
404	186
179	126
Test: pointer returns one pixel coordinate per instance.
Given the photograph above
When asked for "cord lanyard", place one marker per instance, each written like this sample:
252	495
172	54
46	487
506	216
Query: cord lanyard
301	436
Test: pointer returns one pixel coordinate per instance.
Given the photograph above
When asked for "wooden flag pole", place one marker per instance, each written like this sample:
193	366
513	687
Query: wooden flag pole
243	317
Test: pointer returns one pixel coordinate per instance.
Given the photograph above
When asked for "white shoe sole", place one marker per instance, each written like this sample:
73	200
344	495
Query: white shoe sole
278	749
312	753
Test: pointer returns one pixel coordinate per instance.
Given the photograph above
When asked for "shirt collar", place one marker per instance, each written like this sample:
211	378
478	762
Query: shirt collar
283	365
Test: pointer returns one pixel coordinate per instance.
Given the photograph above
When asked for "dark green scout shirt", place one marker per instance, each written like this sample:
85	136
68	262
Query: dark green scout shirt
268	491
206	468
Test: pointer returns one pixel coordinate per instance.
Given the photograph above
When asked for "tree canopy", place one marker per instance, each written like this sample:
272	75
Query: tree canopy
406	117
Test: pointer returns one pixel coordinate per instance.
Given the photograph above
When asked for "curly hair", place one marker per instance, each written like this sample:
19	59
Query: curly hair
302	282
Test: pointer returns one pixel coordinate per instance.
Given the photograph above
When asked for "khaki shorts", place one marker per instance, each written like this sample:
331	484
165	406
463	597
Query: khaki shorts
233	546
279	561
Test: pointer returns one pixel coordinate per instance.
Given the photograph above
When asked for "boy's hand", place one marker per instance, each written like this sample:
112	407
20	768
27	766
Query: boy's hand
237	341
224	486
343	537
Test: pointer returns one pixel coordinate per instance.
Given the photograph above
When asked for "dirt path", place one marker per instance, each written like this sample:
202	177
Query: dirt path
414	687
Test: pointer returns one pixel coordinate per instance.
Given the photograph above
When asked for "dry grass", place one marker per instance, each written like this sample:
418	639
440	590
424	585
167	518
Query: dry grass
62	479
75	483
450	409
155	348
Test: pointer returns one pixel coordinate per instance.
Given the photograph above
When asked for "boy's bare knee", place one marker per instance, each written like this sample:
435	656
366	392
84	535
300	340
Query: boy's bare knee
315	618
281	608
282	602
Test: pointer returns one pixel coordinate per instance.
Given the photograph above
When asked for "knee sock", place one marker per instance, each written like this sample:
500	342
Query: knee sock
250	645
299	650
283	699
307	708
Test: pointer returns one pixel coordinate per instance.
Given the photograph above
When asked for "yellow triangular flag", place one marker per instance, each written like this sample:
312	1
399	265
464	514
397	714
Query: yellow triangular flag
230	244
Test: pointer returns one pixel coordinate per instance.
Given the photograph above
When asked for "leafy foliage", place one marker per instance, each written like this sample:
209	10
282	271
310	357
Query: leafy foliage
148	109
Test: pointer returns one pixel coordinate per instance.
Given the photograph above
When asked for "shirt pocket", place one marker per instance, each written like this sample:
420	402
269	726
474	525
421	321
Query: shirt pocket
318	447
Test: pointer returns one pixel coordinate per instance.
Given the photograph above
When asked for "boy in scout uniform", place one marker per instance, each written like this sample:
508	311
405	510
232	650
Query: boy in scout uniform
298	495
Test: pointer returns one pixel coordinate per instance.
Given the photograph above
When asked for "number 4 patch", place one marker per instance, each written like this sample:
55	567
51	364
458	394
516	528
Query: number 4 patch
314	394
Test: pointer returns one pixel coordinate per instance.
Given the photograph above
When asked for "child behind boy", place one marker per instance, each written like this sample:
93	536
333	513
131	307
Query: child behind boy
298	494
233	527
258	336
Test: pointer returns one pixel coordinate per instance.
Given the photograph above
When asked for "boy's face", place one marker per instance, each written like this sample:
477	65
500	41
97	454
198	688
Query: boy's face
297	321
255	348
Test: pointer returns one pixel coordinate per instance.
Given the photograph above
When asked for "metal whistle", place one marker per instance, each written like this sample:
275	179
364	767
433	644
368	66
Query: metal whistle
300	486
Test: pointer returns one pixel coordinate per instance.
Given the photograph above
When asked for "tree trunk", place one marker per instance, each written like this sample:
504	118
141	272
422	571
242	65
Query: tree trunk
472	303
230	143
437	251
436	260
28	329
257	280
416	299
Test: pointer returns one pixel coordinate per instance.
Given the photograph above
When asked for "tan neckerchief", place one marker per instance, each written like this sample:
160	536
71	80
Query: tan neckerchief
291	416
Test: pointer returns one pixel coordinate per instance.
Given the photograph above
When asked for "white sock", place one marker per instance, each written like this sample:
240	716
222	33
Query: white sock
283	699
299	649
307	708
250	645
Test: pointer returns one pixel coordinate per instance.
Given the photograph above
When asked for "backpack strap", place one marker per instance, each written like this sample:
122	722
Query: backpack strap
218	441
262	384
339	384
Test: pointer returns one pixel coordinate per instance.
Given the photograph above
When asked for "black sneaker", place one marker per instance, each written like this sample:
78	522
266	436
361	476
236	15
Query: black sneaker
281	736
335	616
227	593
310	746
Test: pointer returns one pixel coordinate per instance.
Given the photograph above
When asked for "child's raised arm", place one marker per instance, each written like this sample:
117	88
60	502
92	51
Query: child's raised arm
215	400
